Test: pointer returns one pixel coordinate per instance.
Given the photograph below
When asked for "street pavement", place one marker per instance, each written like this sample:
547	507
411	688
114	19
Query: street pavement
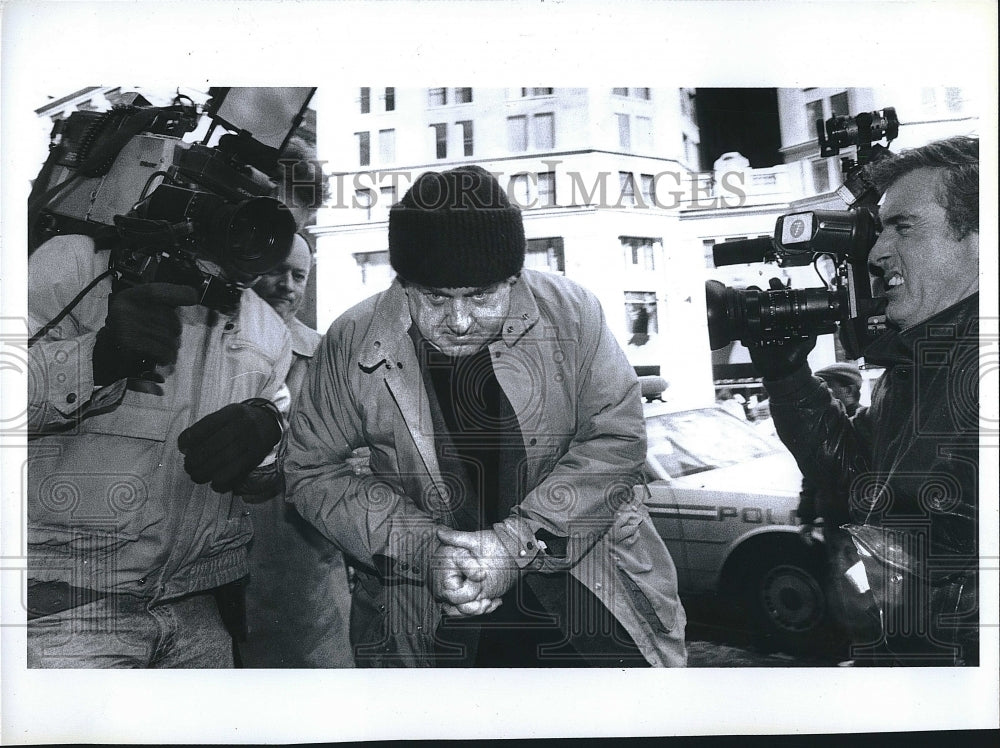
718	635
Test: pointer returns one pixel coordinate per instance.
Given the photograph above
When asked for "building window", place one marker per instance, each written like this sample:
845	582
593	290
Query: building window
544	131
386	199
463	95
364	148
545	254
437	96
533	190
440	140
643	135
546	189
519	191
387	146
814	111
820	176
517	133
839	106
536	92
374	268
365	200
640	252
647	185
366	100
708	251
635	93
390	99
953	99
641	315
467	144
627	182
624	132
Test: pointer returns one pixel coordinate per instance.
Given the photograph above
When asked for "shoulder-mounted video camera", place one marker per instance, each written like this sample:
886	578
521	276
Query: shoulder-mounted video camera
803	238
126	178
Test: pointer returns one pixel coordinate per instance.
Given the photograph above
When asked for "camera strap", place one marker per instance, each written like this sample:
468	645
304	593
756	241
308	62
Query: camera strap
67	309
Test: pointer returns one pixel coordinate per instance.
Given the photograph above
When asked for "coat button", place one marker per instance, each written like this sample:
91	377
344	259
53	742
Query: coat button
532	441
230	325
71	397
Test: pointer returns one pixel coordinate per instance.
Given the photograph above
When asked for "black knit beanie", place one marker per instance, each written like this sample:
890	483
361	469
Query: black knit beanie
456	229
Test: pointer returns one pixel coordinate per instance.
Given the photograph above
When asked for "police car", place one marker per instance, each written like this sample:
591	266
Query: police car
723	497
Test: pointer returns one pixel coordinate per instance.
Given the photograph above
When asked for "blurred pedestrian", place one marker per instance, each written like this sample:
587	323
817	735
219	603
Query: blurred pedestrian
297	601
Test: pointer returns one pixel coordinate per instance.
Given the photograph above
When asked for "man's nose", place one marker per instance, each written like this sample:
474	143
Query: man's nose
459	320
880	253
285	281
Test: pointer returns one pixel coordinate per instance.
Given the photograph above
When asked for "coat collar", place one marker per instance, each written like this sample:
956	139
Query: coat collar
897	346
381	345
305	340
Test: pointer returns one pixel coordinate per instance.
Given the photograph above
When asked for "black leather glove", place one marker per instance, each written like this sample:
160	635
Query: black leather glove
224	446
779	359
142	329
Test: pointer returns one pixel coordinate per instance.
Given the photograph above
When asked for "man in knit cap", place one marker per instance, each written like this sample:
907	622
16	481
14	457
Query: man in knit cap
499	525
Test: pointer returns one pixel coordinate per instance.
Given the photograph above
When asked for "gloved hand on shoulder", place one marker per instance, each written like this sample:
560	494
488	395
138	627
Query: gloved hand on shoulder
225	446
142	330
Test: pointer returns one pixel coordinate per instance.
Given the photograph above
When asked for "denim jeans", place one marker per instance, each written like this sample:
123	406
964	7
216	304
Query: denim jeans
122	631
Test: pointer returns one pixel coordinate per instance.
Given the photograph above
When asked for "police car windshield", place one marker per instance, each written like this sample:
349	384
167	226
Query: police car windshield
694	441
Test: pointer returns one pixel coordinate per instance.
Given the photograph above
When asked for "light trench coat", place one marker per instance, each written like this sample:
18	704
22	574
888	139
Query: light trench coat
578	404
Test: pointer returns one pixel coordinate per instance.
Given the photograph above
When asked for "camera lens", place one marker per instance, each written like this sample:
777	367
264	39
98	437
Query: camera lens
257	234
250	236
752	315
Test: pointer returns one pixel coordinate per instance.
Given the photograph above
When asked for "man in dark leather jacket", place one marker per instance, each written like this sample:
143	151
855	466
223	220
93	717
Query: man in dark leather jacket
909	463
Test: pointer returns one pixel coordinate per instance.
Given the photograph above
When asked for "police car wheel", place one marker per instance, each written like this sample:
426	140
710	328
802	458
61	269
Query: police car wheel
786	601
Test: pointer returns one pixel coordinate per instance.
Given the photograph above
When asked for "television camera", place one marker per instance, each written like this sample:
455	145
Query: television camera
846	302
162	205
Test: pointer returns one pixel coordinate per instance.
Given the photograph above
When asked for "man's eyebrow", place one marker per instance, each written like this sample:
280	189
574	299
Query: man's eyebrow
897	217
482	289
444	292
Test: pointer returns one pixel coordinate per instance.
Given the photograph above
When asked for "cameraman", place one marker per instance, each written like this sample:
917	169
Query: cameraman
146	410
908	465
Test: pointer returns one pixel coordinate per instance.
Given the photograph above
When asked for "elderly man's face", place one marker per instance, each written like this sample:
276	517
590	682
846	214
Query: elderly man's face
460	321
847	394
923	268
284	286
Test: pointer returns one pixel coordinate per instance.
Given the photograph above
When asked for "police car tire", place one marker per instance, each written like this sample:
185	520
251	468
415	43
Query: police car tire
786	600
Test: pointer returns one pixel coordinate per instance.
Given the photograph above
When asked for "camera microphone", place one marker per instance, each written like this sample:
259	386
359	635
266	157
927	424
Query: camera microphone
741	251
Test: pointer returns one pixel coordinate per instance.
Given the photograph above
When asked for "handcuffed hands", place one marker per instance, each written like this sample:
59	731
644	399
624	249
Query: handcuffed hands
470	572
224	446
142	330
